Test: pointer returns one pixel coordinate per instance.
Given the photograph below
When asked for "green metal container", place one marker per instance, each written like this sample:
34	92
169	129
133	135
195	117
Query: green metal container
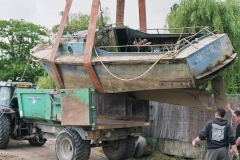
50	106
81	107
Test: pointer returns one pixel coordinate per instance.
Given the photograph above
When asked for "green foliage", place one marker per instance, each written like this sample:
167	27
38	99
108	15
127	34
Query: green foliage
79	21
55	28
152	141
223	16
17	38
45	82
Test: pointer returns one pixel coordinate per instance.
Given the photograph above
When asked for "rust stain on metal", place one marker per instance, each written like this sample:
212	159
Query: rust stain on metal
120	12
57	76
142	15
74	112
89	47
92	135
108	124
195	97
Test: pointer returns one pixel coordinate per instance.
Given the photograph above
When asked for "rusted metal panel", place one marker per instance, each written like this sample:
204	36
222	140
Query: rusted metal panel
76	76
120	12
142	15
82	107
162	76
193	98
115	107
89	47
109	124
112	111
76	108
193	65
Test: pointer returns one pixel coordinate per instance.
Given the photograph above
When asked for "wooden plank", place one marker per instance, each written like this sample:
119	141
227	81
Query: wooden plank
110	124
183	123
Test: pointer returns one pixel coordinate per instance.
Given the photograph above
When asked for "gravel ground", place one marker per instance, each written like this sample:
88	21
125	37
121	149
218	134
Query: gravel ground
21	150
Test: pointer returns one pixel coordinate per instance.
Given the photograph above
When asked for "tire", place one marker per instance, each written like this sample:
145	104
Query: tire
120	149
70	146
5	130
142	148
34	142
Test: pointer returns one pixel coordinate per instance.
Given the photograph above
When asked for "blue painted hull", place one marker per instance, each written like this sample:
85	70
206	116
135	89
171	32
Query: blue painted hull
192	65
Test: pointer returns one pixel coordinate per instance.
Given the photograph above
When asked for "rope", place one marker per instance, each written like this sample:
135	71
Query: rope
175	53
181	33
25	68
123	79
172	54
205	28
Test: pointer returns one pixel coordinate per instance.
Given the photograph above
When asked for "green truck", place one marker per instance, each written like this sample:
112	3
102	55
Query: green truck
78	118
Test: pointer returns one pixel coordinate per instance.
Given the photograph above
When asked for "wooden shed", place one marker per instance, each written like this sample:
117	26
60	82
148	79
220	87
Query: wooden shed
175	127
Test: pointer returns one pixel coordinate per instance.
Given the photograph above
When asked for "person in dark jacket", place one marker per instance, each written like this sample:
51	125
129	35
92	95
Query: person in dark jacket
219	135
236	115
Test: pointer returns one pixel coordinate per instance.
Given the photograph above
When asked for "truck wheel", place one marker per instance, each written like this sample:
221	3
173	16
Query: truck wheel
70	146
5	130
34	142
121	149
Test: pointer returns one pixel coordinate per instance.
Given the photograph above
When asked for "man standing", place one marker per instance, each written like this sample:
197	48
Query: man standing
236	115
219	135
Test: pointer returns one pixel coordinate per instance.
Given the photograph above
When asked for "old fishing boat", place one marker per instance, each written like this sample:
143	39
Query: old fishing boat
151	66
130	60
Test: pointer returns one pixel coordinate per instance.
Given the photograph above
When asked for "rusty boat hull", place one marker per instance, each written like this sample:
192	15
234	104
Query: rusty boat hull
123	64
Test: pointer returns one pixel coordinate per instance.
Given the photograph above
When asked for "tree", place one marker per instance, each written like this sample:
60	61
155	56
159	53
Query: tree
79	21
45	82
223	16
17	38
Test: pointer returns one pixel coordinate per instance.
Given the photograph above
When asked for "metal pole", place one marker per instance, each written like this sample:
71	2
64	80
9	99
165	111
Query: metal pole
142	15
120	12
56	74
89	47
67	17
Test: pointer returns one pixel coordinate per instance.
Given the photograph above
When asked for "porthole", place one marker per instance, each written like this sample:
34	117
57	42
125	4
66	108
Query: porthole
70	49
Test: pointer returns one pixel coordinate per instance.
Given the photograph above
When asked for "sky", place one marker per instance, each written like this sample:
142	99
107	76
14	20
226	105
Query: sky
47	12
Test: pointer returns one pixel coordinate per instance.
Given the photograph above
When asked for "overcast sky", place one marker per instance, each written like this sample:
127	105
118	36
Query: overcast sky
46	12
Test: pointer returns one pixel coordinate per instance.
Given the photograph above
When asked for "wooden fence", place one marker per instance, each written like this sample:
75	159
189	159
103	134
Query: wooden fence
181	124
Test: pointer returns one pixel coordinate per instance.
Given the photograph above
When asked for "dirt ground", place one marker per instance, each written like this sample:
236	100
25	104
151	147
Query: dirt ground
21	150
